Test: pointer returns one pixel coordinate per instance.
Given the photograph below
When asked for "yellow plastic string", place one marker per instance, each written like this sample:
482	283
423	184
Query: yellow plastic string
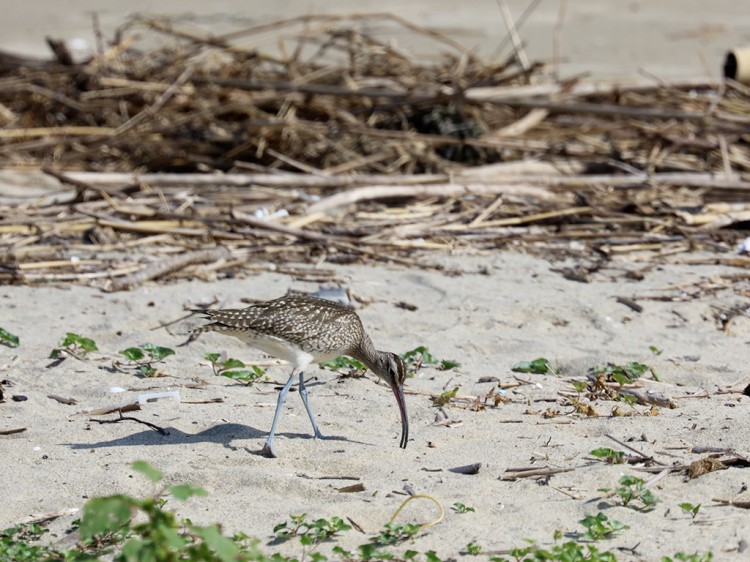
425	496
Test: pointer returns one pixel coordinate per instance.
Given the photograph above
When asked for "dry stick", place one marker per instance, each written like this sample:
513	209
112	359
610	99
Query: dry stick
294	163
557	36
515	474
64	131
320	89
607	109
81	186
433	190
662	473
569	494
529	188
47	517
155	427
158	104
317	237
523	125
12	431
515	40
284	179
636	451
250	220
521	20
588	88
168	265
643	398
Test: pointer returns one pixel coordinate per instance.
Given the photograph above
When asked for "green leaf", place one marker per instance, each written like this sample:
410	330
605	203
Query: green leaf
172	539
343	362
630	480
103	515
133	353
8	338
147	370
342	552
242	375
212	357
87	344
185	491
448	364
648	498
540	366
461	508
153	474
580	386
71	339
137	550
431	556
232	364
621	378
157	353
600	527
690	508
609	454
421	354
223	546
445	397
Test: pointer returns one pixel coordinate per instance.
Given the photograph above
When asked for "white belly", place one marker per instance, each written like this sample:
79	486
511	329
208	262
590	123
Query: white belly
283	349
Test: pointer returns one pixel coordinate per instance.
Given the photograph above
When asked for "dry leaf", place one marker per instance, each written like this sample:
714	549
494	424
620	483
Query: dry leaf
704	466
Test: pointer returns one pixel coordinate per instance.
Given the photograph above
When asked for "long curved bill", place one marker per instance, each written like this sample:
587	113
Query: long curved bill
398	391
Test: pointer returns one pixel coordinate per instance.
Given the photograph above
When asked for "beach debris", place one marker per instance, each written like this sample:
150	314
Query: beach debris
63	400
467	469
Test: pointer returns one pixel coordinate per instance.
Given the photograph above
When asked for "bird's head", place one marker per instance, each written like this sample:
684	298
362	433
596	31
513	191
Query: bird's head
392	370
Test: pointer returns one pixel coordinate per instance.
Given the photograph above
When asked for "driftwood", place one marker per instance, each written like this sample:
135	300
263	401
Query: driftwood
179	154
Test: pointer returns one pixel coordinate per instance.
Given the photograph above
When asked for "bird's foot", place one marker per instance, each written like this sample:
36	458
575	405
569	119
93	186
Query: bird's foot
319	435
268	450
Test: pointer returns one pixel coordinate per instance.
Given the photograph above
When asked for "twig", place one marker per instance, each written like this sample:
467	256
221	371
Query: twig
636	451
515	40
12	431
516	473
166	266
151	110
436	190
156	428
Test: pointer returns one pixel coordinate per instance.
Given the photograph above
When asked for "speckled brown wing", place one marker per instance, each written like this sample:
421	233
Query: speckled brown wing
315	325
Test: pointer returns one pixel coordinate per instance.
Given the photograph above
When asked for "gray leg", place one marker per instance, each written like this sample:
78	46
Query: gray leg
268	447
303	395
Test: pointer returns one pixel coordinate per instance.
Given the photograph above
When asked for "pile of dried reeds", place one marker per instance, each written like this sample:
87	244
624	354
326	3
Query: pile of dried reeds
343	147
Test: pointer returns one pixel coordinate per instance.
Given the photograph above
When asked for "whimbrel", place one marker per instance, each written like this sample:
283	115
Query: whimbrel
304	330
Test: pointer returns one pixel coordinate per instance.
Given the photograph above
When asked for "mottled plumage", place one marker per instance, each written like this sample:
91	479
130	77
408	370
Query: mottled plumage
303	330
322	328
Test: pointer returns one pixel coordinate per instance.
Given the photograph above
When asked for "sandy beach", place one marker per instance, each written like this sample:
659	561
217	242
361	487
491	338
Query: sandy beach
493	312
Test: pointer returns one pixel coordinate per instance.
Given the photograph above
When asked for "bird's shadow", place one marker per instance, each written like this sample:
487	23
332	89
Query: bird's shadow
222	434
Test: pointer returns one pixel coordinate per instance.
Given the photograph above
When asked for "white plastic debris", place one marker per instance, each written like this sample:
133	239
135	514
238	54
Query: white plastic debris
744	247
116	389
265	214
336	294
147	397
